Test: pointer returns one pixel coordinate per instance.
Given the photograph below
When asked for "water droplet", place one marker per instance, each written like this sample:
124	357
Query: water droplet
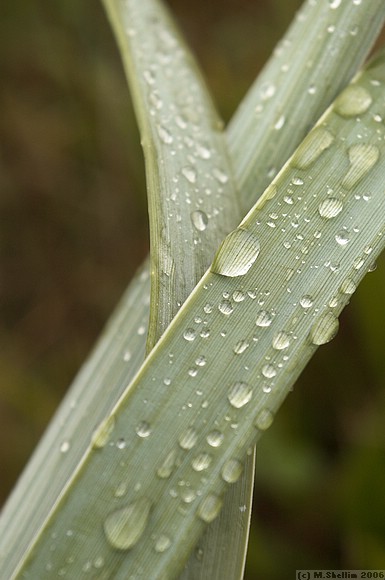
226	307
165	470
241	346
267	91
124	527
238	296
102	434
215	438
121	444
269	371
330	207
220	175
201	462
362	158
200	361
306	301
264	419
65	446
264	318
311	147
297	181
189	334
240	394
237	253
127	356
348	286
189	173
324	329
232	470
209	508
354	100
121	489
143	429
334	4
199	220
188	439
165	135
162	543
342	238
281	341
280	123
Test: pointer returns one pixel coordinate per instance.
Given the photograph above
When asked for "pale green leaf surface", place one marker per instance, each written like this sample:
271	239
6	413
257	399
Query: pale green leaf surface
322	49
317	229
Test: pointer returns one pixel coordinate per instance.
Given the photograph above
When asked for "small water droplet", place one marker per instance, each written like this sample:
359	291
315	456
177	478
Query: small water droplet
342	238
268	371
237	253
226	307
330	207
362	158
334	4
189	334
220	175
281	341
164	135
188	439
166	468
324	329
215	438
232	470
143	429
200	361
124	527
127	356
264	318
241	346
162	543
297	181
317	141
354	100
267	91
264	419
348	286
121	489
189	173
102	434
209	508
199	220
201	462
306	301
238	296
240	394
65	446
121	444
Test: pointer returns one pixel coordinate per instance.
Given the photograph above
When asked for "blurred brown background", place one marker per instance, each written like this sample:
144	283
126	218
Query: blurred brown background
74	229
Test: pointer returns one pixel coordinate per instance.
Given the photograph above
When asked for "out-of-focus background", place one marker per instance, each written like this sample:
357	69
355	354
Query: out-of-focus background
73	229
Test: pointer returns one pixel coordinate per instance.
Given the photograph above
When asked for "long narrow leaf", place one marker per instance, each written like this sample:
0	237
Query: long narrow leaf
273	295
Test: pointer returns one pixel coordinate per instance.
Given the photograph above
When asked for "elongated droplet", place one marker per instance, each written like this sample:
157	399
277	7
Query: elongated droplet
123	528
102	434
264	419
324	329
188	439
201	462
240	394
264	318
209	508
330	207
354	100
281	341
362	158
199	220
232	470
166	468
348	286
237	253
189	173
311	147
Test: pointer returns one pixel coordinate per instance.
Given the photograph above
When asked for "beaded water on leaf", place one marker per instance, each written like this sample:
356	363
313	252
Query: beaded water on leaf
237	253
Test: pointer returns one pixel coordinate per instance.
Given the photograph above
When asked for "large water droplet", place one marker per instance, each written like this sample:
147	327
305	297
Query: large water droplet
311	147
209	508
237	253
215	438
124	527
348	286
232	470
162	543
354	100
264	419
102	434
199	220
264	318
189	334
324	329
188	439
342	238
281	341
306	301
362	158
240	394
189	173
225	307
201	462
241	346
143	429
330	207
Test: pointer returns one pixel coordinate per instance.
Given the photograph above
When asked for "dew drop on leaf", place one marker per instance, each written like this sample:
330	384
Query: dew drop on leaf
102	434
226	307
232	470
162	543
201	462
330	207
362	158
189	173
124	527
237	253
281	341
324	329
348	286
188	438
264	318
264	419
306	301
354	100
143	430
312	147
209	508
189	334
199	220
240	394
166	468
215	438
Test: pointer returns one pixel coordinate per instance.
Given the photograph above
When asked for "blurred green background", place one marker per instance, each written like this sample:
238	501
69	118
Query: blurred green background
74	229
